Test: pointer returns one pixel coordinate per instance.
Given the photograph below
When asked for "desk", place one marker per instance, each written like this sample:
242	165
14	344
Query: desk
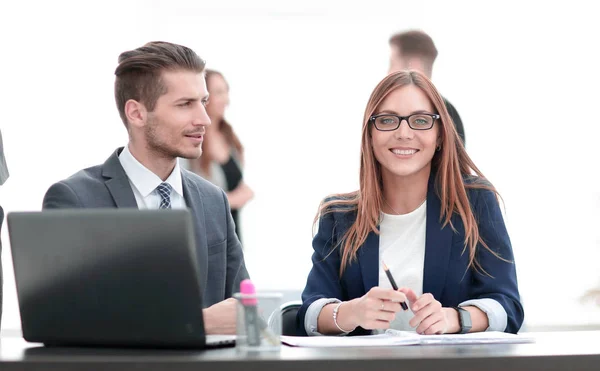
552	351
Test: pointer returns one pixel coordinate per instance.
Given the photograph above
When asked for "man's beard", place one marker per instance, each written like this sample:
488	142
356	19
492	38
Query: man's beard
159	145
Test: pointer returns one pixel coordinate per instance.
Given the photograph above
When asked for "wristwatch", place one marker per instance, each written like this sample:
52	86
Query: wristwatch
464	320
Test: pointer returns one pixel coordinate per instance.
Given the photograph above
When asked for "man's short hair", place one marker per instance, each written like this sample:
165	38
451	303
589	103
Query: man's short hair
138	75
415	44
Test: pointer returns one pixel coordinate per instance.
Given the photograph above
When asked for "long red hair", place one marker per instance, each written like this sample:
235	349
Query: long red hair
225	128
451	165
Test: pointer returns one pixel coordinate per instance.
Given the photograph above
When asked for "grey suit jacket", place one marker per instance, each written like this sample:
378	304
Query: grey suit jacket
220	256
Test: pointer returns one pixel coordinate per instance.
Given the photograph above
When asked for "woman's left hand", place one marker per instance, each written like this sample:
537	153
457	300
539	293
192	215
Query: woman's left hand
430	317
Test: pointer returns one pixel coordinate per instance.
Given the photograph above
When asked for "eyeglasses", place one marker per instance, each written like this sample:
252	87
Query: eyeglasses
416	121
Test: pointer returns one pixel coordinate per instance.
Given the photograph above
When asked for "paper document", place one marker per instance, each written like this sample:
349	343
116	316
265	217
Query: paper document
398	338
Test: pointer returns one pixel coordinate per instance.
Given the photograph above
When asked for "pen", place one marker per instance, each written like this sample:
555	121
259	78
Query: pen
255	324
250	302
394	286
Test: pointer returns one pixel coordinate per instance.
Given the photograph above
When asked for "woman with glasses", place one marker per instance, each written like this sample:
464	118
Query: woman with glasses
426	213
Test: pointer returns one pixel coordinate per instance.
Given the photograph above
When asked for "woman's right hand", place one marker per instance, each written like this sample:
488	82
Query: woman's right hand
240	196
376	309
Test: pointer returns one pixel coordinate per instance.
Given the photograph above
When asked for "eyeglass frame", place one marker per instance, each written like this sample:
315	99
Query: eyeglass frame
434	116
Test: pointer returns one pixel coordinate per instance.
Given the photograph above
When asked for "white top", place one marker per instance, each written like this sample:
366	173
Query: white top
402	248
144	182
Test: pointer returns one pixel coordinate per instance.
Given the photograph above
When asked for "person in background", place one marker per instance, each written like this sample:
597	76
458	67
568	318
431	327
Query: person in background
416	50
425	210
161	94
3	176
223	159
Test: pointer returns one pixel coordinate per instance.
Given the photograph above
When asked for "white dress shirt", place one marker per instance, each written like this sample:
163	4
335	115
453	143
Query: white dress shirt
144	182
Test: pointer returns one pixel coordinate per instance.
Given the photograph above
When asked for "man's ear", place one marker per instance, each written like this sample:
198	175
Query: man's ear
136	113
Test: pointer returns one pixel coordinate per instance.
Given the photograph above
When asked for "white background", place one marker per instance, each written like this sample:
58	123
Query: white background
524	76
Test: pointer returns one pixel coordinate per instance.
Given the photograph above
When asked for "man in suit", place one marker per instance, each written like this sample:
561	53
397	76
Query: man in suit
416	50
161	96
3	177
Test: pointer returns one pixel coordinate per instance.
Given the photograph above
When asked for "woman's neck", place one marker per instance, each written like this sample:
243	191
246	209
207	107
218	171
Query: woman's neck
403	195
215	123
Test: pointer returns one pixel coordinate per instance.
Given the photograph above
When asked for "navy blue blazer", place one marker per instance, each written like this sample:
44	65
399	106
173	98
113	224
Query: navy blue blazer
446	273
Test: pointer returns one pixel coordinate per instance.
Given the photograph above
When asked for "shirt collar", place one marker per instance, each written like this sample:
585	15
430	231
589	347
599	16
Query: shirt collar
145	180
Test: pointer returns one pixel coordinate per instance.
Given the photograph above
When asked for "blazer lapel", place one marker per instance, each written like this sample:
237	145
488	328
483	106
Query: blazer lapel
117	182
191	194
438	243
368	259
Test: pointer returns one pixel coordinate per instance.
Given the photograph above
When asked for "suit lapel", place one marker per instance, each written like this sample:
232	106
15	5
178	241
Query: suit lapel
368	258
191	194
117	182
438	243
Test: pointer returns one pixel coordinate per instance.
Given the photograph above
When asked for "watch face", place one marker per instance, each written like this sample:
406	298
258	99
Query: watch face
465	320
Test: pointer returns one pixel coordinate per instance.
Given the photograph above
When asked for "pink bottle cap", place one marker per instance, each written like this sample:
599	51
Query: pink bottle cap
247	289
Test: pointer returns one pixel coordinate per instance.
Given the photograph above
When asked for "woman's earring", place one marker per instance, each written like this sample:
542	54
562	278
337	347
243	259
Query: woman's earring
438	148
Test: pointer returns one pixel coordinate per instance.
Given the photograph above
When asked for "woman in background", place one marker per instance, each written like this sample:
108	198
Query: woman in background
223	154
427	212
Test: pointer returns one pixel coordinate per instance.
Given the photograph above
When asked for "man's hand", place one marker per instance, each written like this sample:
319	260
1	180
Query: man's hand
220	318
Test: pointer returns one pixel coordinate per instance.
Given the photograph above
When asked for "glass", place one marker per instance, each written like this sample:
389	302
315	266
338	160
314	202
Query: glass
254	333
416	121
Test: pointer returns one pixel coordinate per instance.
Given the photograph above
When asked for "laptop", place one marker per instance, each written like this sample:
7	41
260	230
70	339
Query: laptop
109	277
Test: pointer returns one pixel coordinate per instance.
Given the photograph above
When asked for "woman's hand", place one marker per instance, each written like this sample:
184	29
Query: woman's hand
240	196
430	317
376	309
